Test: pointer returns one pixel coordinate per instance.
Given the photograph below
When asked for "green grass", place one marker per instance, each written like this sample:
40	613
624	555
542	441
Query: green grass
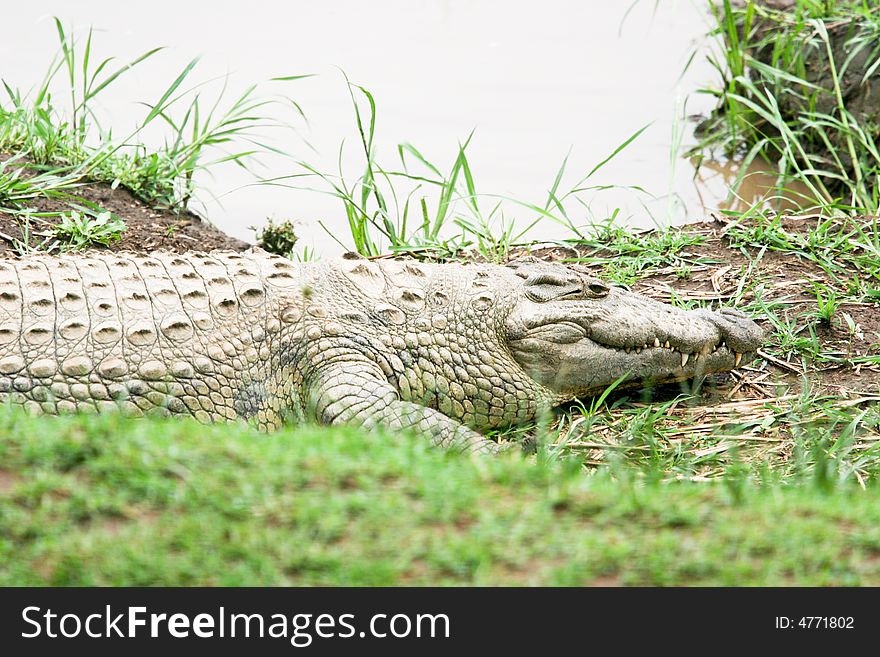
624	254
792	437
113	501
78	230
846	248
421	208
277	237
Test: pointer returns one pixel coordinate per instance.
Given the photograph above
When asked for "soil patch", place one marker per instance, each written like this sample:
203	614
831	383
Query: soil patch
8	481
148	229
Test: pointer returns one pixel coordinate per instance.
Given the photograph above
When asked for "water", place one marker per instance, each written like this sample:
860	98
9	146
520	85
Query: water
532	79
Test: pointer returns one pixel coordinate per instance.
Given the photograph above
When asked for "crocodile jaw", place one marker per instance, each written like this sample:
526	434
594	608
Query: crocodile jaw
579	348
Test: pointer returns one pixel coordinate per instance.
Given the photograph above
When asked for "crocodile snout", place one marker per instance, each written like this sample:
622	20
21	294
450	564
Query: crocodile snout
738	330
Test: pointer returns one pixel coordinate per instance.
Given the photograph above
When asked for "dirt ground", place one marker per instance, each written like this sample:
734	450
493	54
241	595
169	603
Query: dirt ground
148	229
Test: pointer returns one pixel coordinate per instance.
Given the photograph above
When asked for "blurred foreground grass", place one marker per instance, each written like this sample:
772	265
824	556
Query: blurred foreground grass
110	501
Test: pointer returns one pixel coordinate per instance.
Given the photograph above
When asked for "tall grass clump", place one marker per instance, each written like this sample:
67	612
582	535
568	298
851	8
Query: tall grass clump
418	206
56	129
799	88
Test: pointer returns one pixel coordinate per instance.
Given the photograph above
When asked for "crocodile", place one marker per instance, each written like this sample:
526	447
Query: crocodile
447	350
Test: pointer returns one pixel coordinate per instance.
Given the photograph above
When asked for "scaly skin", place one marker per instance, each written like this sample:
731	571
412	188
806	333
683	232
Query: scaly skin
448	350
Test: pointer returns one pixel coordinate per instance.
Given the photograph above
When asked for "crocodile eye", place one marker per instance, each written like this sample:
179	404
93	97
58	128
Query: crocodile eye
597	289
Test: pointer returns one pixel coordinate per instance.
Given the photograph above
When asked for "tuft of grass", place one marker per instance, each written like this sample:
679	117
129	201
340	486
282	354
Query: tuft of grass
280	238
57	140
827	304
80	230
424	209
19	183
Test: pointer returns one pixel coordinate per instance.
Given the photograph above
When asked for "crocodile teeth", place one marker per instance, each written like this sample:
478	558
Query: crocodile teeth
638	350
684	359
737	359
627	350
667	344
656	342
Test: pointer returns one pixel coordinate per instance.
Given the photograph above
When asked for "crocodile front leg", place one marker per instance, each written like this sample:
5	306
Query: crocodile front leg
356	392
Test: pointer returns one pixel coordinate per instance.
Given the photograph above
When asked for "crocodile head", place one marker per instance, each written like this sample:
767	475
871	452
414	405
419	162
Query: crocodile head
577	335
